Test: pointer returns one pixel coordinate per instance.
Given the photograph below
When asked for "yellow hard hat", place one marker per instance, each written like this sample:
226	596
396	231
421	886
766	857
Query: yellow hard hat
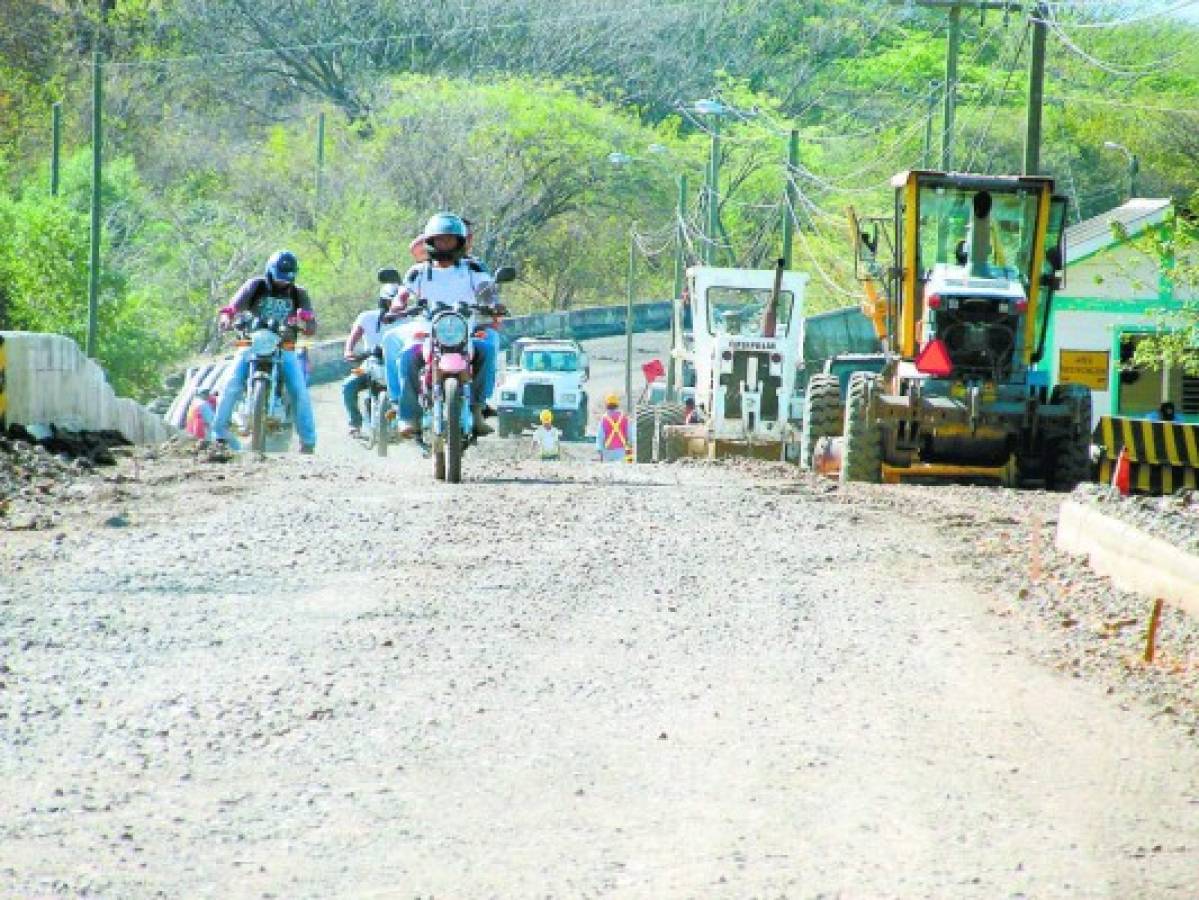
612	400
546	417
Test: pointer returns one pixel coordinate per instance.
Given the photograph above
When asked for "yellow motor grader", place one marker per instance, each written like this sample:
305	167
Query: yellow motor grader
958	283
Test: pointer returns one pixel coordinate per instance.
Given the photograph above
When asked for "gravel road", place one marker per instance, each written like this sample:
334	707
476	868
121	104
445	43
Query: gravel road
332	677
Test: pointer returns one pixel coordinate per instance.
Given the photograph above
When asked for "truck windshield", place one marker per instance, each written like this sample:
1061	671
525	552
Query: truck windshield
946	224
743	311
550	361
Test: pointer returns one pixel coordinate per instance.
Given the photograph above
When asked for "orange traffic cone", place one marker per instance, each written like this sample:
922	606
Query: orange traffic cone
1122	473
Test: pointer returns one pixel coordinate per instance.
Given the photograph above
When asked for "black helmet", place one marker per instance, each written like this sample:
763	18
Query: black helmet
282	267
445	223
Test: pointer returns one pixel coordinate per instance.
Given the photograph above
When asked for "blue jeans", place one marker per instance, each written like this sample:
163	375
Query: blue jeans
350	389
294	379
403	369
489	346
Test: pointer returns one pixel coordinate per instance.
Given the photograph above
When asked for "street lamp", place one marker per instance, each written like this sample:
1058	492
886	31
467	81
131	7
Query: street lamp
1134	165
717	111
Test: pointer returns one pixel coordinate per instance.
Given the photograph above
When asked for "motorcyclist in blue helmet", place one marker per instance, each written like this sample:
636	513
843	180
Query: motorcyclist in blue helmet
273	295
282	268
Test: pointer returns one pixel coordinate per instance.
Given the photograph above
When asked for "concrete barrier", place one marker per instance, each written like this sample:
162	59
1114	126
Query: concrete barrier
1134	560
589	322
49	381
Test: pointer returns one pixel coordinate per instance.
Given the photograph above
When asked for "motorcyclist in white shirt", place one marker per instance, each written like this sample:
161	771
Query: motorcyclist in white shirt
448	278
368	329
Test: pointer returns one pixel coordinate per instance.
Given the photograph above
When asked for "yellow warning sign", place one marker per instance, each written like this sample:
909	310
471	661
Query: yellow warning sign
1088	367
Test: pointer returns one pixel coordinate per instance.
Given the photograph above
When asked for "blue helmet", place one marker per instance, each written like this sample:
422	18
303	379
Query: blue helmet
282	267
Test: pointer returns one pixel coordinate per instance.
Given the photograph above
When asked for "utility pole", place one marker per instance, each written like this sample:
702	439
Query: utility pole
93	281
713	193
1036	92
951	86
628	321
55	146
791	198
680	272
951	59
320	161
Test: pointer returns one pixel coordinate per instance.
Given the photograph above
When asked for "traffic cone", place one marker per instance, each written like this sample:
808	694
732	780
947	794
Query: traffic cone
1122	473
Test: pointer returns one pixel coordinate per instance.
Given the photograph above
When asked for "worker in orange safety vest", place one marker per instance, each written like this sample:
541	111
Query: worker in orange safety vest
612	436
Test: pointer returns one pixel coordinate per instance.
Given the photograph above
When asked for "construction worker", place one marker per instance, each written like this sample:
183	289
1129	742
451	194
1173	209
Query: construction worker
200	414
546	438
612	436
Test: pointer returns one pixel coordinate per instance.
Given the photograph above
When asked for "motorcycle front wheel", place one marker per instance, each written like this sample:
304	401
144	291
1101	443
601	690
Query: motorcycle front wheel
453	430
261	397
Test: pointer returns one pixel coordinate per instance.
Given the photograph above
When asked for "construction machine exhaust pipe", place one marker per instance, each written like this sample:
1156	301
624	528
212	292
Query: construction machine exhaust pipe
980	235
770	320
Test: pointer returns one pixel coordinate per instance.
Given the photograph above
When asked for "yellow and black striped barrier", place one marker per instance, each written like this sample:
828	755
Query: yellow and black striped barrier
1163	456
3	387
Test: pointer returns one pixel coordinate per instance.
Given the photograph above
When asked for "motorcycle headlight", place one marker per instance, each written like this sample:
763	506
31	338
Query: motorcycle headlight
264	342
450	330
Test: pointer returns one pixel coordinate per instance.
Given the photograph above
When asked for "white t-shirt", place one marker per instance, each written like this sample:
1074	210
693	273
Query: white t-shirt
369	323
446	287
546	440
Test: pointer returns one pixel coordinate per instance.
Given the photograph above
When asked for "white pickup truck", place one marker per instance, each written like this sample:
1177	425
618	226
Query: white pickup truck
544	373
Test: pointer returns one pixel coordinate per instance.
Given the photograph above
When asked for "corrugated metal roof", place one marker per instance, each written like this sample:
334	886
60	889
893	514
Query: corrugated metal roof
1094	234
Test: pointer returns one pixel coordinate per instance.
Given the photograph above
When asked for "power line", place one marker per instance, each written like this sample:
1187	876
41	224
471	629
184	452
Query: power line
995	108
1129	20
1104	65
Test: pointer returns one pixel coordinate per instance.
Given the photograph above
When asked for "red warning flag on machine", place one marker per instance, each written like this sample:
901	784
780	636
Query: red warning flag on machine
653	370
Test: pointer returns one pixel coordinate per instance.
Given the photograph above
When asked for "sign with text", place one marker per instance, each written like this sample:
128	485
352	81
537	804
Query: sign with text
1089	367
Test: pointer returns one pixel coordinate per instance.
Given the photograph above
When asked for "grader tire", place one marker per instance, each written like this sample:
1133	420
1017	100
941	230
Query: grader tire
823	415
1072	459
668	414
862	457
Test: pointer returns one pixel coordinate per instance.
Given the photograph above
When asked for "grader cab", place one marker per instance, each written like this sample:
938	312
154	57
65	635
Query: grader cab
739	345
958	283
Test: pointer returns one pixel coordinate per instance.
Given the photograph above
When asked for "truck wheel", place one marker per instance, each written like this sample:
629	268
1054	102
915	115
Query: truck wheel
1072	455
823	415
668	414
862	456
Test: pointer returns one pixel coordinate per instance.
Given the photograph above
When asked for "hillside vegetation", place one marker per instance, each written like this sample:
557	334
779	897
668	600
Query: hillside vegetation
512	112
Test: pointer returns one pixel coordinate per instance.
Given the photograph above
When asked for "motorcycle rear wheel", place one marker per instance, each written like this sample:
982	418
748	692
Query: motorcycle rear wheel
261	396
380	407
453	431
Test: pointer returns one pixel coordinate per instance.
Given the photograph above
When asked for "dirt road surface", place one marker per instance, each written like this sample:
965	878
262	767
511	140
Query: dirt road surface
332	677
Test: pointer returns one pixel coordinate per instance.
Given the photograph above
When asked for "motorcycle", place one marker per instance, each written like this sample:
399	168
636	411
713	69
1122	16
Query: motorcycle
446	382
379	426
266	409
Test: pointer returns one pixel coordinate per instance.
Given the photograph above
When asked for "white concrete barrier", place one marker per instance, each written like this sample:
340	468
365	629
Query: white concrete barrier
1134	560
49	381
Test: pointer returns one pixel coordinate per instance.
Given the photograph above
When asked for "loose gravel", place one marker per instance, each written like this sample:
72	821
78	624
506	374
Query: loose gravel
328	676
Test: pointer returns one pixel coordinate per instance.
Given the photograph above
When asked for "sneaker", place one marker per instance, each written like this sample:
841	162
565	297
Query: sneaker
307	449
482	429
407	427
219	452
355	432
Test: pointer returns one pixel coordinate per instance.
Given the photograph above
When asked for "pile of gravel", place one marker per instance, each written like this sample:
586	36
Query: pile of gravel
41	479
1174	518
